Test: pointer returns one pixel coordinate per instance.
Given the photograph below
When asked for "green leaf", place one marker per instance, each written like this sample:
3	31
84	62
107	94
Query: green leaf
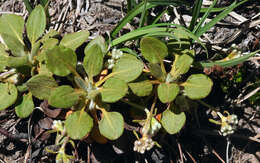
51	34
41	85
128	68
12	25
49	43
204	17
61	61
17	61
74	40
197	86
220	16
26	107
113	90
181	65
8	95
14	45
167	92
78	124
93	61
153	49
143	88
138	9
157	29
3	58
100	41
156	71
63	97
195	13
173	121
36	23
35	50
230	62
111	125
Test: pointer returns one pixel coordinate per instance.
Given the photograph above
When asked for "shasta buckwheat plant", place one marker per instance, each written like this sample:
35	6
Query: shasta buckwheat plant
35	62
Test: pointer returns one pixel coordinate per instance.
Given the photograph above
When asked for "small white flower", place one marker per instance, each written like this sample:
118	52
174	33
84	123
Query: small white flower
116	53
57	125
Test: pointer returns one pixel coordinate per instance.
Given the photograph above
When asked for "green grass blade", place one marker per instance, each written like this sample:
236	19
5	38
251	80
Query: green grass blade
159	16
164	28
28	5
129	51
202	20
131	4
137	34
141	23
161	34
219	17
202	10
44	2
137	10
230	62
169	2
195	14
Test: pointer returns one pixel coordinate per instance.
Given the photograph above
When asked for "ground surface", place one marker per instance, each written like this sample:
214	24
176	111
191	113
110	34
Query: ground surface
199	140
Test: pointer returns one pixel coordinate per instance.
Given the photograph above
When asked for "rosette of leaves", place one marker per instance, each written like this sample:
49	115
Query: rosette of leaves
88	94
23	59
18	57
171	84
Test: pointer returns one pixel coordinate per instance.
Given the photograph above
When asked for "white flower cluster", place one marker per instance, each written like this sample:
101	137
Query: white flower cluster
116	54
228	124
143	144
235	50
57	125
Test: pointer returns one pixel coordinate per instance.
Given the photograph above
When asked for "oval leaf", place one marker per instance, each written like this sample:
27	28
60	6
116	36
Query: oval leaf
111	125
61	61
143	88
100	41
74	40
128	68
36	23
156	71
93	61
12	25
113	90
181	65
153	49
63	97
8	95
197	86
41	86
17	61
78	124
167	92
26	107
173	122
14	45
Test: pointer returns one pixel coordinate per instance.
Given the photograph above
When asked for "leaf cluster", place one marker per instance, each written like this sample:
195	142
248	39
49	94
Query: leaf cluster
35	70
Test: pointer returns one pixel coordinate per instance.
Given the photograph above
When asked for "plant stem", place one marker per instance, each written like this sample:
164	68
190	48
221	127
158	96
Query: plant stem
227	157
133	104
207	105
